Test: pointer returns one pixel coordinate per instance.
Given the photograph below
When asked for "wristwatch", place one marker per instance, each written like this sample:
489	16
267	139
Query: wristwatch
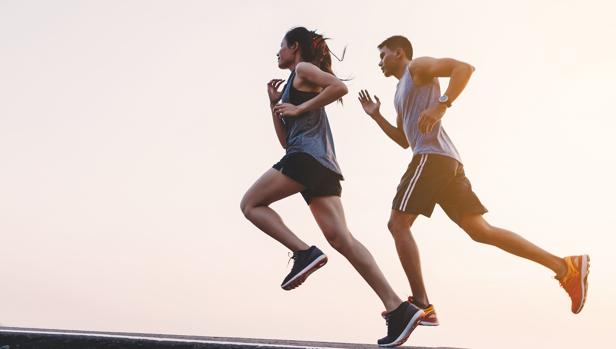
444	99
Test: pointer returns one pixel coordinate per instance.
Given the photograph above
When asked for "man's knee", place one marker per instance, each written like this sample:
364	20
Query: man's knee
478	231
392	226
399	228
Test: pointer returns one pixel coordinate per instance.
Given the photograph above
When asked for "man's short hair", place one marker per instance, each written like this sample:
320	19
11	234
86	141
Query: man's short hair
398	41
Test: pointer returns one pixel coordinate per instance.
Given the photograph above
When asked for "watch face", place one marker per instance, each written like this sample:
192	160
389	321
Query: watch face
443	98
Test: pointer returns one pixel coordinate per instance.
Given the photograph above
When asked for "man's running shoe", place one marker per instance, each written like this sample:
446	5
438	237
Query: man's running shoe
429	318
305	263
400	323
575	282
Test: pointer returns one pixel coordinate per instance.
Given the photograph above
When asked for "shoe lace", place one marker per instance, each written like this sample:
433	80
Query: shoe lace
292	255
385	316
571	273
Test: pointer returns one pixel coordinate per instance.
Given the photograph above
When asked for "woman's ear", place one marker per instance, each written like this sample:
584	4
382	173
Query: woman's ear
294	46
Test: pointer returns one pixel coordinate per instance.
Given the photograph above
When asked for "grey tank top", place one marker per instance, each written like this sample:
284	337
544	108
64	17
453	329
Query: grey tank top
410	101
309	132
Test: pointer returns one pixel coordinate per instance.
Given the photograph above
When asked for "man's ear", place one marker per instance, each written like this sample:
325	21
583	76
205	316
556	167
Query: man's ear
399	53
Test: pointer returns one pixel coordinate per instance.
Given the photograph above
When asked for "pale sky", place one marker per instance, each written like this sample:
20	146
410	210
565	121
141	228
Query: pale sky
129	131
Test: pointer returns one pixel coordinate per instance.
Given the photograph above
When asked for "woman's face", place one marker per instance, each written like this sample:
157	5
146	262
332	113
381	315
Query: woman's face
286	55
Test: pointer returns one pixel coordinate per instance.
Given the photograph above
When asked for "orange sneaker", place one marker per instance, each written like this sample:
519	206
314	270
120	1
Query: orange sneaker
429	318
575	282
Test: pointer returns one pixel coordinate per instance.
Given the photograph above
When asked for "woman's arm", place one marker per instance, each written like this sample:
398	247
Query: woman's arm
309	74
279	127
274	96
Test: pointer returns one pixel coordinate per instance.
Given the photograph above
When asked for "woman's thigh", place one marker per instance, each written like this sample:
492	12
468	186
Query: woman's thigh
270	187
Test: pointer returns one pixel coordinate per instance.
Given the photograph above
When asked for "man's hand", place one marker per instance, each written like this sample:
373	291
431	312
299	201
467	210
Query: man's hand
371	108
272	90
287	110
429	117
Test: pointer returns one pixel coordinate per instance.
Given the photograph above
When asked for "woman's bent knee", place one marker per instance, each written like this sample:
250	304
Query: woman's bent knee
339	239
246	205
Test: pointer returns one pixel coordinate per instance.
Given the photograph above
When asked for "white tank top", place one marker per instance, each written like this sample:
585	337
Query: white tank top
410	101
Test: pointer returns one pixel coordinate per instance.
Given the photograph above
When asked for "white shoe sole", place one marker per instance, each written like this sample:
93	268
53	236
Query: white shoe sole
407	331
316	264
585	268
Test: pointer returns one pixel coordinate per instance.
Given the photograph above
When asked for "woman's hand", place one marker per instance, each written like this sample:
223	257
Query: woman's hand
286	110
272	90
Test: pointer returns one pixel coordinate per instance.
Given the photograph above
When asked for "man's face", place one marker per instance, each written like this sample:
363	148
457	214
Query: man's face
390	59
285	55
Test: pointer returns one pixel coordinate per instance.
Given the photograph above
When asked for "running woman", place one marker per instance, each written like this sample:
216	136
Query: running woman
310	168
436	174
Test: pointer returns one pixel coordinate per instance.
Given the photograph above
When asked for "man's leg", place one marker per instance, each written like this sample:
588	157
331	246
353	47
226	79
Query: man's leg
400	227
481	231
416	194
571	272
463	207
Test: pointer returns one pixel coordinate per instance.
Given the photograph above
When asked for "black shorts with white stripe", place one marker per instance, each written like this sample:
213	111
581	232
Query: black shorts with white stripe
436	179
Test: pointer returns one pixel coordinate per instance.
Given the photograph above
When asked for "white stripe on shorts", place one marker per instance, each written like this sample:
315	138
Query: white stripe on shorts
413	181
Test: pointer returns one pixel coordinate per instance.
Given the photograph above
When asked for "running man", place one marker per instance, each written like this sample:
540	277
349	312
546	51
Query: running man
310	168
436	174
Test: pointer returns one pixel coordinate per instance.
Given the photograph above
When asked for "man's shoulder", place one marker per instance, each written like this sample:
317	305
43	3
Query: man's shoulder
420	63
419	68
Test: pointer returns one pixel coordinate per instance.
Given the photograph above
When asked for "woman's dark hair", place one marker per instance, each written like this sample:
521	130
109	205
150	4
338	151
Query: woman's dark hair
312	47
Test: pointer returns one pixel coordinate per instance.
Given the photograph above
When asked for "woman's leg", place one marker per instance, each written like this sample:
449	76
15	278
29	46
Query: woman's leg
329	215
271	187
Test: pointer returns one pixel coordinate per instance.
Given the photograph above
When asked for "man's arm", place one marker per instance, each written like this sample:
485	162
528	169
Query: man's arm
425	69
396	133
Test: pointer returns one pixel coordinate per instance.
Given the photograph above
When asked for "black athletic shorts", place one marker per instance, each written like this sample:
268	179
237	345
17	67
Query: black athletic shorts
317	179
436	179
